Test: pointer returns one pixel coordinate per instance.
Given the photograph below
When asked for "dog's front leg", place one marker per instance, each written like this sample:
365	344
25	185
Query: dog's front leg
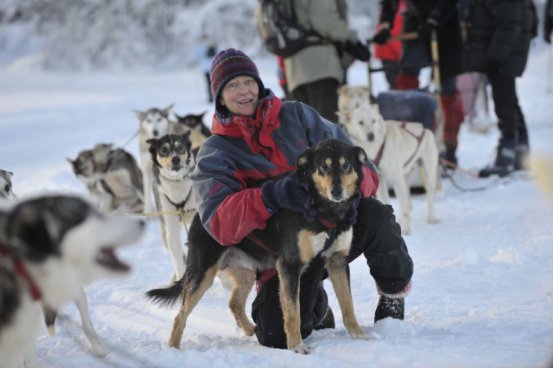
336	266
289	277
82	305
173	242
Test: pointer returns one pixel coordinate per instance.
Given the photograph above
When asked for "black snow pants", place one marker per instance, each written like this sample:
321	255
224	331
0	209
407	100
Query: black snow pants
377	236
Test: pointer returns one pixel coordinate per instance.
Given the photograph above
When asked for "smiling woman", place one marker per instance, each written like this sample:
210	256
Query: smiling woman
240	95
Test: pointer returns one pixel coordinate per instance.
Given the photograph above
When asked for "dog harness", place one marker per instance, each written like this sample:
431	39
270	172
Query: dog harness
418	138
21	271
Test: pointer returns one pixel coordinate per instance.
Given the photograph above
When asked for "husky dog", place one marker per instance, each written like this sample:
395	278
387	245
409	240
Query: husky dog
51	246
173	162
198	131
397	148
6	191
154	123
80	300
332	171
112	177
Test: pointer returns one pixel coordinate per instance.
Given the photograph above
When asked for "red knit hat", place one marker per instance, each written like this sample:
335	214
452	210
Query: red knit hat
229	64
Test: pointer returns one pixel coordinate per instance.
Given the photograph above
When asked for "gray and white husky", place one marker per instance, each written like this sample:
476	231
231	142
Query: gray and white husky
173	163
153	123
51	246
112	177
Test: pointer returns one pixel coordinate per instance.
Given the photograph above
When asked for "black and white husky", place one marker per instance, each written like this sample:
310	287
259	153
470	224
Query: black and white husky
173	163
112	177
50	247
153	123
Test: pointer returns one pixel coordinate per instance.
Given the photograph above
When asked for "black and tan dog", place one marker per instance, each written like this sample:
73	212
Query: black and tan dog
332	172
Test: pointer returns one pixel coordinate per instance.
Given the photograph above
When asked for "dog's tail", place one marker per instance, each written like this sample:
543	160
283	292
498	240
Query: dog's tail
167	296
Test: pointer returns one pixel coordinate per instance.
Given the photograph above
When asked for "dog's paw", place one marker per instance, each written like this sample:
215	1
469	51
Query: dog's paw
357	333
300	349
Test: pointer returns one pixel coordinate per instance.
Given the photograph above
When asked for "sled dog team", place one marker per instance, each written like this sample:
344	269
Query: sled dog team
77	239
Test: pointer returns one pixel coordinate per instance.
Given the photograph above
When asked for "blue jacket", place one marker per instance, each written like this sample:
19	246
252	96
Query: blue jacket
244	151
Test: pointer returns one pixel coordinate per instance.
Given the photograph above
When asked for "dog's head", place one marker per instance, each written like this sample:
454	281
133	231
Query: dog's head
350	97
172	154
83	166
65	242
366	122
332	168
154	122
192	121
6	190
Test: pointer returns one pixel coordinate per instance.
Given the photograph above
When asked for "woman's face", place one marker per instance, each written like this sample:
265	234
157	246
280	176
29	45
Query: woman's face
240	95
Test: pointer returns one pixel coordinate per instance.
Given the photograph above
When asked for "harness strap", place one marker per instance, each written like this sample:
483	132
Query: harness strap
21	271
418	138
379	154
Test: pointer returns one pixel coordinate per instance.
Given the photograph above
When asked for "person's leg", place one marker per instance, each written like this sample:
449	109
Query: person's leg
508	113
377	236
322	95
453	116
267	312
209	94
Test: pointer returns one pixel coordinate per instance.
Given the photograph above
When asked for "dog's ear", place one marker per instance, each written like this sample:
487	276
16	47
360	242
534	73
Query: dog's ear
167	110
201	116
343	116
360	154
302	163
139	114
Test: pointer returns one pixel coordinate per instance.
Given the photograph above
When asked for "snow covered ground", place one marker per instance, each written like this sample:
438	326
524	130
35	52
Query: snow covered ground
483	282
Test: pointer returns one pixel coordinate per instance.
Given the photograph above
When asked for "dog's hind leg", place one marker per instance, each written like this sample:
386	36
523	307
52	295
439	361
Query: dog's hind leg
430	166
289	278
242	282
195	286
82	305
336	266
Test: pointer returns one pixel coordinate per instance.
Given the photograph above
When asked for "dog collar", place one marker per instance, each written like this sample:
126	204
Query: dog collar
326	223
20	270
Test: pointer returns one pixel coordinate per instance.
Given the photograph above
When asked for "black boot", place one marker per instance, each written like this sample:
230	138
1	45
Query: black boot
521	155
504	161
327	321
448	158
388	307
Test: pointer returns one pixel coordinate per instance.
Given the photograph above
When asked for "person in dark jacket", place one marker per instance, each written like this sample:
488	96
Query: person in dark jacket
498	40
424	17
548	21
255	137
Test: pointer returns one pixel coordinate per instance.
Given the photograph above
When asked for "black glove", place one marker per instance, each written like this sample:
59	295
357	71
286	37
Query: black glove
288	193
351	215
382	36
547	28
425	28
358	50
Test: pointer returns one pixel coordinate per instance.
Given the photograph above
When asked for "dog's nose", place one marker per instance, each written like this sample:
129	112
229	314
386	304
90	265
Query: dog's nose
155	133
336	192
175	160
370	137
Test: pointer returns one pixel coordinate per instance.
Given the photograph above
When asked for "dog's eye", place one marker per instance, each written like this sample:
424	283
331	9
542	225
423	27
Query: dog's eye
164	151
180	149
346	167
360	122
7	188
324	167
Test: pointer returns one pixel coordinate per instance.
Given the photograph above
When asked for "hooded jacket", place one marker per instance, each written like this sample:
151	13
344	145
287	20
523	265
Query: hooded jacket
244	151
